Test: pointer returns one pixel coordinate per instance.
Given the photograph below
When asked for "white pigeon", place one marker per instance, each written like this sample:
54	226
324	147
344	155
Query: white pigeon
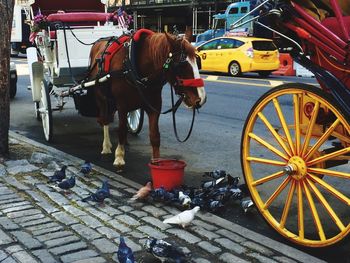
184	218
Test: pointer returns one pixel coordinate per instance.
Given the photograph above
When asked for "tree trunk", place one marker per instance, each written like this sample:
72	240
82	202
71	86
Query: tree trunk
6	14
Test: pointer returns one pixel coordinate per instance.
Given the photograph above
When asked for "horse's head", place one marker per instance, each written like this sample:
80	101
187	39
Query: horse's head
182	72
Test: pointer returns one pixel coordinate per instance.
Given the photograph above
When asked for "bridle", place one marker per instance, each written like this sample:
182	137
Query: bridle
171	64
174	65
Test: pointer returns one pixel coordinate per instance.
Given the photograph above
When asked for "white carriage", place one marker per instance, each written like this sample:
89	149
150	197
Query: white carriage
63	33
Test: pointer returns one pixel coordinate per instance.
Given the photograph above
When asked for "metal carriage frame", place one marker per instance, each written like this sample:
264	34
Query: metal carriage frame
296	140
60	60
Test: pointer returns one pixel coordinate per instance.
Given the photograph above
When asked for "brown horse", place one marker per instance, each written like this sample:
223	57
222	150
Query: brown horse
137	80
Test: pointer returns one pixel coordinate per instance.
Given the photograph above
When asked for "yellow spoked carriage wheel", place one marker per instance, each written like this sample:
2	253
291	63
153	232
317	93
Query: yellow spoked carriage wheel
295	153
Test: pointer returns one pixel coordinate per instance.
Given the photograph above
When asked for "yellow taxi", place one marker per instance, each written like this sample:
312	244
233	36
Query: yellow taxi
236	55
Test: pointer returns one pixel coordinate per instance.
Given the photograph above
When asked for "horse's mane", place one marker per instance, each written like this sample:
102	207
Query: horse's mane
160	47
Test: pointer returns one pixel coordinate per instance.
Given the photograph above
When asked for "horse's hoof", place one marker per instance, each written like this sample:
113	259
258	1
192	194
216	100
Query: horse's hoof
106	152
119	164
119	168
115	164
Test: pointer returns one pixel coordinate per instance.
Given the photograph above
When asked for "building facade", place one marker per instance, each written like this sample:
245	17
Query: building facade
164	15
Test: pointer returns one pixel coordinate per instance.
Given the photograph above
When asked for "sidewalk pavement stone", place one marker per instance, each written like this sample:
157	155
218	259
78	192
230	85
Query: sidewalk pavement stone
261	258
3	171
229	258
151	231
27	240
13	200
209	247
105	246
8	224
44	256
49	228
230	245
61	241
64	218
68	248
91	260
54	235
5	239
283	259
80	255
39	223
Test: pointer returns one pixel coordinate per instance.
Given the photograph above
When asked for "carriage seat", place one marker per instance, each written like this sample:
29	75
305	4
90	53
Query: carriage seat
332	24
81	18
76	17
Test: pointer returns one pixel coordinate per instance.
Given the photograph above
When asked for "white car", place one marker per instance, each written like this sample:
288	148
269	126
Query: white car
13	80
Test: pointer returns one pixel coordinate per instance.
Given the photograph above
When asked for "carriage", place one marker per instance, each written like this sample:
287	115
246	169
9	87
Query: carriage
296	139
63	33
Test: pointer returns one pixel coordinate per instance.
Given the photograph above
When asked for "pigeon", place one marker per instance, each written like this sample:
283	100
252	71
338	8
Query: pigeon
213	183
244	189
100	195
232	181
86	168
197	201
184	199
247	205
219	194
160	194
59	175
235	192
216	174
215	205
184	218
67	184
143	192
125	254
164	251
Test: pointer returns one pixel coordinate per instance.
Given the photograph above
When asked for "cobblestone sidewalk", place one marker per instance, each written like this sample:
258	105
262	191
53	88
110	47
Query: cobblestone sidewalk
40	224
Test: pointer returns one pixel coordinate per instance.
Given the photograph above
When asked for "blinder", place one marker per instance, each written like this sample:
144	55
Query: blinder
171	64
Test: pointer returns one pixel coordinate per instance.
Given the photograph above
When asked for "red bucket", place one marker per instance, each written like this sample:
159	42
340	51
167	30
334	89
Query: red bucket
168	173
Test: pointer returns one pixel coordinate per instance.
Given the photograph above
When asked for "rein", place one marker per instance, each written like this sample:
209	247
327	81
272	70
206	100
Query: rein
174	118
141	85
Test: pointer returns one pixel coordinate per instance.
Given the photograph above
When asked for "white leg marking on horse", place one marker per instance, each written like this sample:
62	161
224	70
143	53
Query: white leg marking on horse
201	91
119	156
106	145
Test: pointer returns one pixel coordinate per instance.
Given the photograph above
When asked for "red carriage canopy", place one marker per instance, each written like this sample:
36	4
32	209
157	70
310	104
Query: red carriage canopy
49	6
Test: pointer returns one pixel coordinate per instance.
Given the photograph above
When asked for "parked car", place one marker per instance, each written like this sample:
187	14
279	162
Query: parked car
13	80
236	55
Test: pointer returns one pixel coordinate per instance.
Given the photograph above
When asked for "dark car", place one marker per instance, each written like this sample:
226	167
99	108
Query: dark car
13	80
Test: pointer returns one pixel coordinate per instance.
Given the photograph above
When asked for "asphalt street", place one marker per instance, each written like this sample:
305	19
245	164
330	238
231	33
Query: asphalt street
214	143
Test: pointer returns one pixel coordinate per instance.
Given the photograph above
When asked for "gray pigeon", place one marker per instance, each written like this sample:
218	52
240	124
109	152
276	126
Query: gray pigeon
67	184
165	251
247	205
59	175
